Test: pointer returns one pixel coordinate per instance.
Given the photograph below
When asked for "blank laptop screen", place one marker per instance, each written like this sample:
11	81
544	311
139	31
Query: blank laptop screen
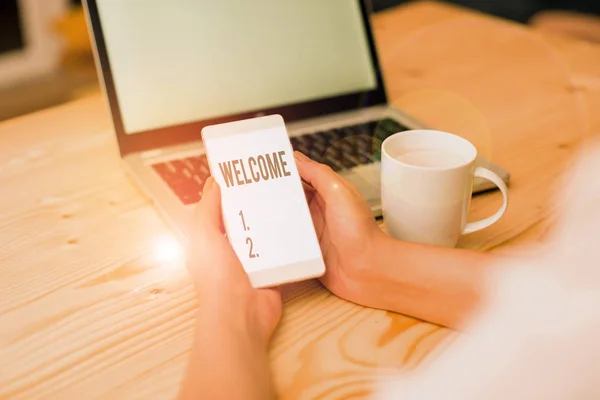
180	61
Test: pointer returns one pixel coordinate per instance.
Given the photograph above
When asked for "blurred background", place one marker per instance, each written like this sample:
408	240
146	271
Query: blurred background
46	57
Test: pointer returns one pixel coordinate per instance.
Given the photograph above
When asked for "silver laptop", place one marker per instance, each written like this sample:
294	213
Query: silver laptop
169	68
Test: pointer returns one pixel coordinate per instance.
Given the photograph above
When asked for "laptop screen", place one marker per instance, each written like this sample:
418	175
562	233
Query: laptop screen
178	61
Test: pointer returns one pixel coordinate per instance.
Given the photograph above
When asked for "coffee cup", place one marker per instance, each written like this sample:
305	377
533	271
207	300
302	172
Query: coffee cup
426	187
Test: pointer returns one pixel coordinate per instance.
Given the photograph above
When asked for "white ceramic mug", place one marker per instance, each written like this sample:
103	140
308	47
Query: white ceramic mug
426	187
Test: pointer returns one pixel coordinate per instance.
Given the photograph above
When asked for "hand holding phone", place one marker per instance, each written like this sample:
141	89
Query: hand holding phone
264	208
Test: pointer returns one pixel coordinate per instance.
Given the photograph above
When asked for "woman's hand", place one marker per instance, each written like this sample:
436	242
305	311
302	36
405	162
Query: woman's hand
347	232
235	321
219	278
368	267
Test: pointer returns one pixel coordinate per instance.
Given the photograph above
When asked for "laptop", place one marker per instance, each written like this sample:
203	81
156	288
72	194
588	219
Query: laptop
170	68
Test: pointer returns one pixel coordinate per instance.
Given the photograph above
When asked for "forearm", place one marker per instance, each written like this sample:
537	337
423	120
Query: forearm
227	362
439	285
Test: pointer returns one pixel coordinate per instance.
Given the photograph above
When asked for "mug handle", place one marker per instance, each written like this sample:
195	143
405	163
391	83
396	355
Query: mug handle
484	173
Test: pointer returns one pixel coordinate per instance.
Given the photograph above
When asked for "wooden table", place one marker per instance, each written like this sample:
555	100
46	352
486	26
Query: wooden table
89	309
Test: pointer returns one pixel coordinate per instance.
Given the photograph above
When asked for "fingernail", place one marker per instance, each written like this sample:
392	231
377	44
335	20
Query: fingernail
300	157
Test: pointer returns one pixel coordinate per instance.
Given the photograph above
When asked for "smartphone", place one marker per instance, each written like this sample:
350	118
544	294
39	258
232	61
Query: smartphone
264	207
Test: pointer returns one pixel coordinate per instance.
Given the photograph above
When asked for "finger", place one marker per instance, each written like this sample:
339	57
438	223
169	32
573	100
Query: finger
321	177
270	302
208	217
209	254
207	226
273	293
309	192
307	187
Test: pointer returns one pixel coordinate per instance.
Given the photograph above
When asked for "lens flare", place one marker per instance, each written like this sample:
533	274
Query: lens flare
167	250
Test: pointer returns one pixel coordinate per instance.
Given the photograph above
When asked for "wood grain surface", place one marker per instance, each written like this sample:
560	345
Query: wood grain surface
93	307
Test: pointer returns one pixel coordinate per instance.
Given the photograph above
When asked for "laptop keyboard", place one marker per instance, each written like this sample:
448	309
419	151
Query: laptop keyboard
185	177
341	148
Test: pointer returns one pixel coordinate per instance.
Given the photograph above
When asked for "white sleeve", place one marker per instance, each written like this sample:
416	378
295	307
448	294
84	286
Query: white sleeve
538	333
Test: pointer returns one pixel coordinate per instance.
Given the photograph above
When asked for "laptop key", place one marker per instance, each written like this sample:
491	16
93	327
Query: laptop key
295	142
347	146
200	164
196	163
348	161
301	144
363	129
162	170
315	154
320	147
392	126
320	137
189	197
332	136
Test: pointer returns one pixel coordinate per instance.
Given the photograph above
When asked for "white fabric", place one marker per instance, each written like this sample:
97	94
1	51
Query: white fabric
538	335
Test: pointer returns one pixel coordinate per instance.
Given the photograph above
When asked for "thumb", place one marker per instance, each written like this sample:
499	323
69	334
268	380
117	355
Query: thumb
321	177
208	218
